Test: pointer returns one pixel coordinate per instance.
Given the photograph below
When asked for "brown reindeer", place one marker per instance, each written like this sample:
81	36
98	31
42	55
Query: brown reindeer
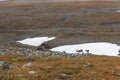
119	52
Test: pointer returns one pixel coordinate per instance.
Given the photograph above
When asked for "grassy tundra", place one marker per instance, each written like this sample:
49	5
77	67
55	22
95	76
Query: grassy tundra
58	68
71	23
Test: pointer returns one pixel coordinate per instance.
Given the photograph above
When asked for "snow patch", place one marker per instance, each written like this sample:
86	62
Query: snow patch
101	48
36	41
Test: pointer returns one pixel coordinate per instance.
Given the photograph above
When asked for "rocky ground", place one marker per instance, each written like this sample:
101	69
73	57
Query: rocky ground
70	23
23	67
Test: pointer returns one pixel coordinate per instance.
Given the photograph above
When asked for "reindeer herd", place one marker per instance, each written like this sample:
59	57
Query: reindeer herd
88	51
81	51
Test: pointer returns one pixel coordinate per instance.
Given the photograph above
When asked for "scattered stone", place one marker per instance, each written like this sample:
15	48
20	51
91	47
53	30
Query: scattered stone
63	75
88	65
27	65
4	65
20	75
32	72
13	67
43	51
43	47
13	59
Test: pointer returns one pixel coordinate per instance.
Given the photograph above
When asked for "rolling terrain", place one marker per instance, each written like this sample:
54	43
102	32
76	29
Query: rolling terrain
70	22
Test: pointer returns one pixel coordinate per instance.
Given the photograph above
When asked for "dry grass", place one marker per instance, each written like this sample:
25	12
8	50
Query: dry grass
53	68
71	23
56	19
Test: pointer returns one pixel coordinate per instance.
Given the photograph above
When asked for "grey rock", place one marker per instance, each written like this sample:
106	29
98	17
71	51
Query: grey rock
27	65
13	67
88	65
43	47
31	72
20	75
63	75
4	65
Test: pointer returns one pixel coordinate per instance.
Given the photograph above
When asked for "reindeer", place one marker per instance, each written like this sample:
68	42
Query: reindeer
119	52
64	54
88	51
80	51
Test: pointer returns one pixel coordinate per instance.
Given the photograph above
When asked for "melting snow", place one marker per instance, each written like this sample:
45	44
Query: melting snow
36	41
101	48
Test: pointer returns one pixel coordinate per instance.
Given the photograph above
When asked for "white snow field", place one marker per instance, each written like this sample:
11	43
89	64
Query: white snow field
101	48
35	41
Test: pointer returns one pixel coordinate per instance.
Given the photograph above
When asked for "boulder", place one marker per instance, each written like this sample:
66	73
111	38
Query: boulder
27	65
13	67
43	47
88	65
63	76
32	72
4	65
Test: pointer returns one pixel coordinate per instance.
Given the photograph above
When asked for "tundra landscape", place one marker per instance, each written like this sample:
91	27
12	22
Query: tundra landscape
66	22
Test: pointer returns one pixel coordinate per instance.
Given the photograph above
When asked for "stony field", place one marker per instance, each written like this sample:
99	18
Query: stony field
70	23
22	67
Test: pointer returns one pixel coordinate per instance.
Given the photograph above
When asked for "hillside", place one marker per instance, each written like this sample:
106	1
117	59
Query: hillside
70	23
59	68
